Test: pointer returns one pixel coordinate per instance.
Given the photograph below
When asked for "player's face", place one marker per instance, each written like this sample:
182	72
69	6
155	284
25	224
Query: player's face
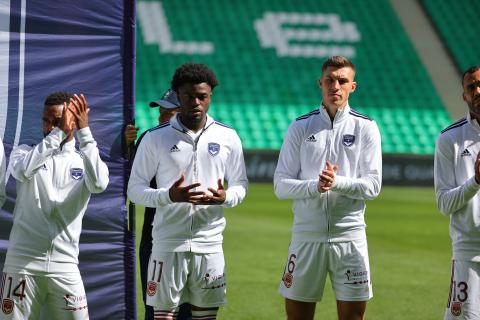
195	101
471	92
336	85
51	117
166	114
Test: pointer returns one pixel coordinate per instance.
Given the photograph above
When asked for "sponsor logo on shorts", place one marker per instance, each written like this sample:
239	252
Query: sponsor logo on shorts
7	306
151	288
288	280
356	277
456	308
75	303
214	281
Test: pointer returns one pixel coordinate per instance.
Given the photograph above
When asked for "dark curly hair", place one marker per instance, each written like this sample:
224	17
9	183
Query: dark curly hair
470	70
57	98
194	73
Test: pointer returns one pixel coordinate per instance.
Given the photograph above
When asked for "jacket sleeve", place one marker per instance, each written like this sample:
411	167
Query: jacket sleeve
450	197
367	185
2	174
25	161
144	169
287	185
236	175
96	171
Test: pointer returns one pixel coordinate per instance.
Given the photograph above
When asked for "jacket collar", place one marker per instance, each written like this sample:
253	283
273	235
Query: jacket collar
473	122
67	147
339	116
176	124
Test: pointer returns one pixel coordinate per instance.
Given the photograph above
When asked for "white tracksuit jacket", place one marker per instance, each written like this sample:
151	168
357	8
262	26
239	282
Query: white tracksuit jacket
54	184
168	151
352	142
2	174
455	188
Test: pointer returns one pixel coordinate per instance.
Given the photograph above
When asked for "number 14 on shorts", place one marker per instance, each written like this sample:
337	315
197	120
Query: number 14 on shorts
9	290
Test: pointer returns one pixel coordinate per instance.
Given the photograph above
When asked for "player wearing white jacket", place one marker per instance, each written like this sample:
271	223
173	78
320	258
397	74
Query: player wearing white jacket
190	158
54	184
166	152
329	164
352	142
457	182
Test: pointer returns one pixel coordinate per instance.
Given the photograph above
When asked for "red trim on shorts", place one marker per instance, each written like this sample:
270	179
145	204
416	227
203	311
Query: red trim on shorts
451	284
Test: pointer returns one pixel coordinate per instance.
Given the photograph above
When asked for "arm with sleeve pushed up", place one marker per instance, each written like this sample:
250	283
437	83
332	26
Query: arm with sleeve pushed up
450	197
367	185
285	180
2	174
144	168
96	171
236	176
25	161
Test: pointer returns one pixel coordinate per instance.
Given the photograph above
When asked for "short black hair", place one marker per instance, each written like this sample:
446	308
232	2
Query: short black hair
57	98
193	73
470	70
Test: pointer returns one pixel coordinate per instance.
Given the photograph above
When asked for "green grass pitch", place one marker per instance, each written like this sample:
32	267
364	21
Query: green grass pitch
409	251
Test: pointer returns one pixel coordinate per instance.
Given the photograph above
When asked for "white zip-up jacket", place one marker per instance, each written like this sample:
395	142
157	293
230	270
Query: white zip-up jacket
2	174
352	142
168	151
456	190
54	183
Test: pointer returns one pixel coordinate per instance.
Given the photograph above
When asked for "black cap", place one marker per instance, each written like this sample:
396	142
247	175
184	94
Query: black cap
169	100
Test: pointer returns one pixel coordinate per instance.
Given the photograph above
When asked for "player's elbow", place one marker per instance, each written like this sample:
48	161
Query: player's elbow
444	206
371	189
100	185
132	193
279	191
373	192
444	209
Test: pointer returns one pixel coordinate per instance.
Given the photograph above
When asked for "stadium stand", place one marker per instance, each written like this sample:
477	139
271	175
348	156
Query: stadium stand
457	23
268	55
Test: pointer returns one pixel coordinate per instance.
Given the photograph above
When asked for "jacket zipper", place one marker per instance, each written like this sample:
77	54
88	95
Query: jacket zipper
195	174
329	145
54	209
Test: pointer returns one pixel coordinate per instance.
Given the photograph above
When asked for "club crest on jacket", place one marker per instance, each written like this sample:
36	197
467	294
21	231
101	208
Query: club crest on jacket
76	173
348	140
213	148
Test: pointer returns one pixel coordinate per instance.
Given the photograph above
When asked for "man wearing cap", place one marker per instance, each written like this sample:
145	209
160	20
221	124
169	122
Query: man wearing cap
168	106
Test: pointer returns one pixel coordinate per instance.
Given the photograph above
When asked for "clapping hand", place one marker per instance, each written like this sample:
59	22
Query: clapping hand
79	108
327	178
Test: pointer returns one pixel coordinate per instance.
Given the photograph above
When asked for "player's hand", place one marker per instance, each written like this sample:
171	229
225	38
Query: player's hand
217	196
477	169
80	110
327	178
67	123
180	193
130	134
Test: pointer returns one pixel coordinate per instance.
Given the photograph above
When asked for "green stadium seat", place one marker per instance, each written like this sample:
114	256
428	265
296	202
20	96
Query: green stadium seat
458	25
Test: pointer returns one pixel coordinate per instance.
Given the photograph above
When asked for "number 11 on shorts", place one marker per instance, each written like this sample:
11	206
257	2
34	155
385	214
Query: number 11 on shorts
157	269
160	269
